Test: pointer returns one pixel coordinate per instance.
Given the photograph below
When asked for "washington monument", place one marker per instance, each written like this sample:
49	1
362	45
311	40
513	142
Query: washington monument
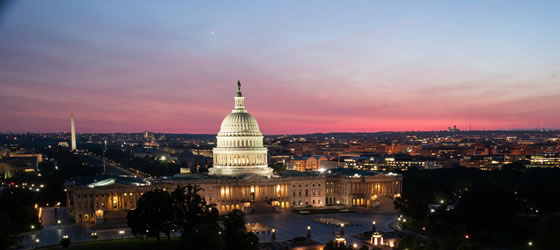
73	131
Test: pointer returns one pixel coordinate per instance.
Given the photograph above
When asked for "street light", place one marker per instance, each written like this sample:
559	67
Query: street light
32	227
530	243
58	222
121	233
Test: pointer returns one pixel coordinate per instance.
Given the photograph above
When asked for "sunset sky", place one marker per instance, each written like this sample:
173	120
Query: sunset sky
305	66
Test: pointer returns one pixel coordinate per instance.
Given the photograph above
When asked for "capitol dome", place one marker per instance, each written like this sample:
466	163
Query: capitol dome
239	148
240	123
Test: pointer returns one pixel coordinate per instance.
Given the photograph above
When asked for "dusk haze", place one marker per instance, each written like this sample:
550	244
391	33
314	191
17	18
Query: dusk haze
308	66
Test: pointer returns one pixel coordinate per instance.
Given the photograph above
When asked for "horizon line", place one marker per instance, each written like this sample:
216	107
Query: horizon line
336	132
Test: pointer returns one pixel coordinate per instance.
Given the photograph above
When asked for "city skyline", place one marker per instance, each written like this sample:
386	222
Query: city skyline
364	68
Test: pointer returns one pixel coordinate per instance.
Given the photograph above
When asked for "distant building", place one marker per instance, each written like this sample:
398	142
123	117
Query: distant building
14	164
306	163
547	160
454	129
483	162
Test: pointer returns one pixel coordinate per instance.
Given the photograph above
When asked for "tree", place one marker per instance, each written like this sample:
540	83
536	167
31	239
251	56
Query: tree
484	209
196	219
405	243
153	214
6	236
548	231
514	166
235	235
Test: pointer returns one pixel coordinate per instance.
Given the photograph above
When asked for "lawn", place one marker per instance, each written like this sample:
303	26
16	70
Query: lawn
126	244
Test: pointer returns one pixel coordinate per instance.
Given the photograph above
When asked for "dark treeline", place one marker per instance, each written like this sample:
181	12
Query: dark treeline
504	208
183	210
17	214
17	204
149	165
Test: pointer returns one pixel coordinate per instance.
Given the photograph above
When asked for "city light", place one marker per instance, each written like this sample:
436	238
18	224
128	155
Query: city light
530	243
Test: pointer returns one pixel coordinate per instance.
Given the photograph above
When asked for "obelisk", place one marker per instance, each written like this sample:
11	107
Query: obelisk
73	131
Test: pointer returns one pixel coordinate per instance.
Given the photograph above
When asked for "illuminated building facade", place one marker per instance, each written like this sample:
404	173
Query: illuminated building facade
307	163
240	179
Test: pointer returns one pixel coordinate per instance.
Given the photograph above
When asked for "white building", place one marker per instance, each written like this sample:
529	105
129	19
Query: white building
240	148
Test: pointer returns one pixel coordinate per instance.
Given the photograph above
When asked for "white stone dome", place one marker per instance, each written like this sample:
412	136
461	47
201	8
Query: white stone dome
239	145
239	124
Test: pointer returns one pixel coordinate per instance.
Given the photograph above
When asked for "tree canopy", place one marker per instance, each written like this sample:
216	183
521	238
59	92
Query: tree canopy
500	208
153	214
185	210
235	235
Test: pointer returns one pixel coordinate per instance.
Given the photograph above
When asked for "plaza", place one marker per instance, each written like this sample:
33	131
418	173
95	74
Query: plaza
287	225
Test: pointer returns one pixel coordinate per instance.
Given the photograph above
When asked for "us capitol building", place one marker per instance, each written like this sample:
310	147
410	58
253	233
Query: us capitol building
240	179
